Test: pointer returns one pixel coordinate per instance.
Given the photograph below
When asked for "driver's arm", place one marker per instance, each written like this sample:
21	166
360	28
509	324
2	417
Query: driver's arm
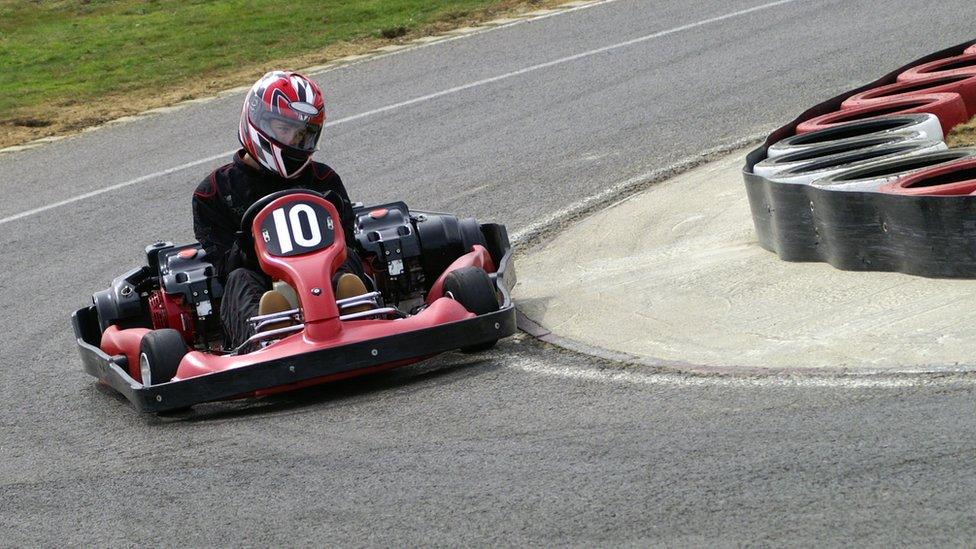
214	228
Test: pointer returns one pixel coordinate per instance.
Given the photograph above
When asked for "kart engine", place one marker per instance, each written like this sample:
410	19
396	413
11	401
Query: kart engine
187	298
177	289
406	252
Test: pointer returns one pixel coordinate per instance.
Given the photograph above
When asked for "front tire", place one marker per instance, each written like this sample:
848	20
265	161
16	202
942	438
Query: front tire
160	354
473	289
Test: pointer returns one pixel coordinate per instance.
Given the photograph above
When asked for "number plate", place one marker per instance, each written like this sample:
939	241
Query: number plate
297	228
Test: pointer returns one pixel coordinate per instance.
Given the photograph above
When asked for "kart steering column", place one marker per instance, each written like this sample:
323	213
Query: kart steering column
310	273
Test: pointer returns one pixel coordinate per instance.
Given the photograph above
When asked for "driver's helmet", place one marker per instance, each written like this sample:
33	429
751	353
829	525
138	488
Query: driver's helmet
281	122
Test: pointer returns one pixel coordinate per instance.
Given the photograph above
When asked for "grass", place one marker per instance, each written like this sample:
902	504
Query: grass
68	64
65	65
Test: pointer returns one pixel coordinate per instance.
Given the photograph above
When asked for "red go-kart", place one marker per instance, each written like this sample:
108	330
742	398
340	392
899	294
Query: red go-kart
442	283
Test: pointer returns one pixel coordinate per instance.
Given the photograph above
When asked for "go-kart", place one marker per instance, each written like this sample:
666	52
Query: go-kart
441	283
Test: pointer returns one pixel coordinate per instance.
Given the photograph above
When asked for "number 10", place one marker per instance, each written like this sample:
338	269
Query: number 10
292	227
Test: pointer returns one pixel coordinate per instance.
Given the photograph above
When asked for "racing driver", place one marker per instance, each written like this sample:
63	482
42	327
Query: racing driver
281	122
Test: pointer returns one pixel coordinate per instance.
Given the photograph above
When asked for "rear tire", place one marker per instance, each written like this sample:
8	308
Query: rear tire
160	354
474	290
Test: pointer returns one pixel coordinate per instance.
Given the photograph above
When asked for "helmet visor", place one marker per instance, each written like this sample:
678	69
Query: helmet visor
295	125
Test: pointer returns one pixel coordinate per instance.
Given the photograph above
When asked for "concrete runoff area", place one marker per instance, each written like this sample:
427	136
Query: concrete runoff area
675	276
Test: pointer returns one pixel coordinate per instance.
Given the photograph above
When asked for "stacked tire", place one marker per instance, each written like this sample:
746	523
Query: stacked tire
865	180
883	124
953	179
964	85
873	176
892	145
881	134
948	107
954	74
957	64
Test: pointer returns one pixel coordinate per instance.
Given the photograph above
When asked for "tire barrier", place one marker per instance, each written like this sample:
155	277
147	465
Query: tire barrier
869	177
949	107
890	226
832	149
962	84
952	179
958	64
927	125
970	49
807	173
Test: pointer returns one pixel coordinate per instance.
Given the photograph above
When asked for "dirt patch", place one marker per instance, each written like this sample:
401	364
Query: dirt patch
963	135
662	260
72	116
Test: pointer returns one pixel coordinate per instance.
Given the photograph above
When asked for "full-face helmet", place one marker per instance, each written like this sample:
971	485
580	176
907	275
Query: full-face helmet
281	122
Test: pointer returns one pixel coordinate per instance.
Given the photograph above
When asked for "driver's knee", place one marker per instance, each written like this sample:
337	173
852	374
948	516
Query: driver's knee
244	281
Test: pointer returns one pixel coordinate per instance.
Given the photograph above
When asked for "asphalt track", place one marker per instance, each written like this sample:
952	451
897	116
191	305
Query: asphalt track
526	444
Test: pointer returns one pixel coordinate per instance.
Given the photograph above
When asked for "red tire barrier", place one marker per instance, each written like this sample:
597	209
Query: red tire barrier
953	179
960	64
970	49
963	84
949	107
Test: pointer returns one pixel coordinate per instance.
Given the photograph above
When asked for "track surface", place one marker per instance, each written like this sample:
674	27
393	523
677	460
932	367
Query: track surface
492	448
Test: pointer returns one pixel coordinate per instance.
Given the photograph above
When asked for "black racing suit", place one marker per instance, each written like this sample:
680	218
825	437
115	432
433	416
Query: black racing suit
219	203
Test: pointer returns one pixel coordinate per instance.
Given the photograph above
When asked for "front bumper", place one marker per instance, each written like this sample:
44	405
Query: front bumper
335	362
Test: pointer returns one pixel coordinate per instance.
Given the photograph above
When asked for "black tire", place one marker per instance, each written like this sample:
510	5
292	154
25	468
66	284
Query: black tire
472	288
160	354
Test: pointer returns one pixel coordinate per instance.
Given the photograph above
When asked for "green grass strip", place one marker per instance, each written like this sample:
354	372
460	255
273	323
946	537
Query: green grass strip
60	52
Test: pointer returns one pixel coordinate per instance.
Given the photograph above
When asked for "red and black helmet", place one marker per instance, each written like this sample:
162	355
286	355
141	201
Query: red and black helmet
281	122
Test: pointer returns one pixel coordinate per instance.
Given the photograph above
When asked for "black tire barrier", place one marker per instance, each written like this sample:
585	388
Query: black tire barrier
952	179
869	177
927	125
859	231
963	84
829	149
864	231
947	66
815	170
949	107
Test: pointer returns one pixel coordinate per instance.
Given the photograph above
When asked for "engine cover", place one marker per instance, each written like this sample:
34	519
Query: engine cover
407	250
188	299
